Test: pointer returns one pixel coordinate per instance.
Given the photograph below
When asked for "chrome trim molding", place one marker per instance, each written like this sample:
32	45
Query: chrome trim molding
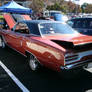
80	55
76	65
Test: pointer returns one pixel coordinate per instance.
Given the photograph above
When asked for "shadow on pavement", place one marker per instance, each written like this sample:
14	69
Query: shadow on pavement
43	80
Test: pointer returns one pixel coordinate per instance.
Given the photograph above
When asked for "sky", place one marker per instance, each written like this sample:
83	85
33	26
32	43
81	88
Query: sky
80	2
83	1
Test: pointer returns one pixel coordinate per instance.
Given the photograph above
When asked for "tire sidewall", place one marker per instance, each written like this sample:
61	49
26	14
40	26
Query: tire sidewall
2	42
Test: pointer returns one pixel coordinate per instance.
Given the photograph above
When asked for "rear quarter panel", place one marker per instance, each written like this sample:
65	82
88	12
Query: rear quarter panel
47	55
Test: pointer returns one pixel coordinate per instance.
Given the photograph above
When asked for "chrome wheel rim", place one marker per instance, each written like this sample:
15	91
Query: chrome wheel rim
2	44
33	63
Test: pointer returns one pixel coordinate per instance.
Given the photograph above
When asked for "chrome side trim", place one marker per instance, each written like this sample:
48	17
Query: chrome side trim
80	55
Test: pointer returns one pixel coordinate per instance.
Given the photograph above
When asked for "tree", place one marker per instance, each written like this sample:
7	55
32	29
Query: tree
56	6
83	7
71	7
37	5
88	8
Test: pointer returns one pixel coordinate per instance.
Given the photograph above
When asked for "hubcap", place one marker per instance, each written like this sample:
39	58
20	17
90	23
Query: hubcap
33	63
2	44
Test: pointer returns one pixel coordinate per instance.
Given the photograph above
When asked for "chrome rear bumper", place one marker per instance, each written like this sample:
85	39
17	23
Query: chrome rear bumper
76	65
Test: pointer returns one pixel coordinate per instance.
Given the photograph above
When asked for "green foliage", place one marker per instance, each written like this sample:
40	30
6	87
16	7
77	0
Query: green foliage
61	5
65	7
37	5
56	6
83	7
88	8
1	17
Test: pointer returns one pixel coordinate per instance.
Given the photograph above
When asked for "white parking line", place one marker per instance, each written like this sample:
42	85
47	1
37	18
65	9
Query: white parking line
20	85
90	90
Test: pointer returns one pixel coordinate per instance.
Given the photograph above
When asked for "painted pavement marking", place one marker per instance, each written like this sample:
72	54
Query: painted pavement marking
13	77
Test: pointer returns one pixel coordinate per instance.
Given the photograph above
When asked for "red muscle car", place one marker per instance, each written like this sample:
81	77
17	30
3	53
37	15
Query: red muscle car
52	44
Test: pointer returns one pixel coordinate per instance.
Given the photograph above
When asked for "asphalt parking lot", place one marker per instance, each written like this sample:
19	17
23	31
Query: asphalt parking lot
43	80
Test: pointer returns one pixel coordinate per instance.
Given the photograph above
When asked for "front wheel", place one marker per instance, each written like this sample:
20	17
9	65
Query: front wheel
33	62
2	43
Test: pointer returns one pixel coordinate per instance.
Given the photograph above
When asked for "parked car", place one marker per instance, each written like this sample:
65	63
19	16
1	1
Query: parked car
55	15
49	43
7	20
60	17
50	13
82	25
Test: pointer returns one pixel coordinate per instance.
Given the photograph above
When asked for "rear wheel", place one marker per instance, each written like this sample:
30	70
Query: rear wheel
33	62
2	43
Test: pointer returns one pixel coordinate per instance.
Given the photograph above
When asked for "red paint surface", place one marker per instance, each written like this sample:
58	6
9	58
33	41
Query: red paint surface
10	21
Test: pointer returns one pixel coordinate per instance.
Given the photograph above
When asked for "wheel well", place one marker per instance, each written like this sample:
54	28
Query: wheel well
29	53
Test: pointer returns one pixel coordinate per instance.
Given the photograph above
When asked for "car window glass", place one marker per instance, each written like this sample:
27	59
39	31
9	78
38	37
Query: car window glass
84	24
21	28
90	24
33	28
77	24
80	23
70	23
17	17
55	28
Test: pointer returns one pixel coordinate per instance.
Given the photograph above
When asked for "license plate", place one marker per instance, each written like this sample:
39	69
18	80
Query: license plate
89	65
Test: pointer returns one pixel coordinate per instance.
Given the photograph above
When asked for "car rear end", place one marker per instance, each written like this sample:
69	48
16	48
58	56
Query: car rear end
78	56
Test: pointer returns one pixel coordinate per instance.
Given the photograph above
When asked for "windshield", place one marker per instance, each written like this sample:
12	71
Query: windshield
55	28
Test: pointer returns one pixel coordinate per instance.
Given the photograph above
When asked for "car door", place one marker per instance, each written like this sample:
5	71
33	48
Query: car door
14	39
18	37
